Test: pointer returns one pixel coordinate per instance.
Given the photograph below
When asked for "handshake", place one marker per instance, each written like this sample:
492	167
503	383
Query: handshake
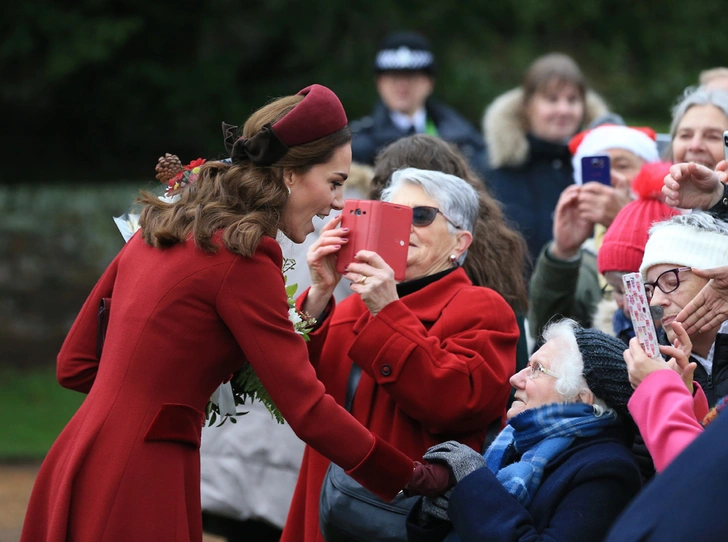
449	463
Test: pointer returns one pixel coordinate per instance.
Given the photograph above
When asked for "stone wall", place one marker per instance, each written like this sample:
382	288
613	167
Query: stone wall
55	241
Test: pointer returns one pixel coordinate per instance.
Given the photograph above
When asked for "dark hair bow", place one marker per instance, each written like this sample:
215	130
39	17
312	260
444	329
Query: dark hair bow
263	149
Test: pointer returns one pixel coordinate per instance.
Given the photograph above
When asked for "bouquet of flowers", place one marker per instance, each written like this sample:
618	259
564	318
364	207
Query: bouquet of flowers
244	385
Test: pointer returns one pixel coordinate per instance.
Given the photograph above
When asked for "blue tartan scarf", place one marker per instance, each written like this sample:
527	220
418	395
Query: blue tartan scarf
539	435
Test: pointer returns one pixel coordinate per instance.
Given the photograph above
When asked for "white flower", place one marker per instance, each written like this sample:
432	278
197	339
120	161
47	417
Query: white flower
294	317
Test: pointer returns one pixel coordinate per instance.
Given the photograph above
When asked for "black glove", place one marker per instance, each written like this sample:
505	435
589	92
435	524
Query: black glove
461	459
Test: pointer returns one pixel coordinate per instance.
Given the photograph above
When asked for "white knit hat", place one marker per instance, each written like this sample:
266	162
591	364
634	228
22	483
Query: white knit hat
597	141
684	242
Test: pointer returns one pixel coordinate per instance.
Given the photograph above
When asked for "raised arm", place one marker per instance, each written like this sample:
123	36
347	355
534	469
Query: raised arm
252	303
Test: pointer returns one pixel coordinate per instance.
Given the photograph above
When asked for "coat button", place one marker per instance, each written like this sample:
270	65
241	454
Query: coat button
557	164
386	370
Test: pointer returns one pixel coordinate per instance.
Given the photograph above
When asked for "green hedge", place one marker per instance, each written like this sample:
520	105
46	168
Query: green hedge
56	241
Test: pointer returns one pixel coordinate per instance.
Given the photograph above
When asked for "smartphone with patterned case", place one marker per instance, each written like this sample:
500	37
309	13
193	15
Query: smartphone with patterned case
638	308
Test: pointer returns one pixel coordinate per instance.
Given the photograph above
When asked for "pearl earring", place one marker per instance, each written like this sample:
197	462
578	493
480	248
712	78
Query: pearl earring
289	189
453	258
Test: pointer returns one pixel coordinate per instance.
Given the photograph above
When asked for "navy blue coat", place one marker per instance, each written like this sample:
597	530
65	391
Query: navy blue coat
581	494
529	192
374	132
687	501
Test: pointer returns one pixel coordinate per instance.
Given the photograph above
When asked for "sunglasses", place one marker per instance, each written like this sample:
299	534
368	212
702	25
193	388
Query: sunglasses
424	216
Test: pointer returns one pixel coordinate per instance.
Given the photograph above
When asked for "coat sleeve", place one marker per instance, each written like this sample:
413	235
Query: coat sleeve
663	409
481	509
77	364
317	337
252	303
568	288
454	380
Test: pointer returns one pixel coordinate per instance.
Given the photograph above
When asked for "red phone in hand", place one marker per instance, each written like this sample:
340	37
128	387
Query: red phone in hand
378	226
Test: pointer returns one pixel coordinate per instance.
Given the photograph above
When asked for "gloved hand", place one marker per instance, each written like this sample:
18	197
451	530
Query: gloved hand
436	507
461	459
429	480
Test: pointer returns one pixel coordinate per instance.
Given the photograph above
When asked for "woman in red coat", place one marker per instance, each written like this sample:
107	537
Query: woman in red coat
196	294
435	351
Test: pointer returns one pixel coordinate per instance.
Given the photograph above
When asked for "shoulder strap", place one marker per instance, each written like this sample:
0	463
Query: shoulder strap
354	377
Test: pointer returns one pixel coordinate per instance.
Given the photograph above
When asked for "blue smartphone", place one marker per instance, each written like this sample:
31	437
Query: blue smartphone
595	168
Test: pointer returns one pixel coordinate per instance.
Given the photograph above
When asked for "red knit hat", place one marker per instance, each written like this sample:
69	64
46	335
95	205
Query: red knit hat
624	243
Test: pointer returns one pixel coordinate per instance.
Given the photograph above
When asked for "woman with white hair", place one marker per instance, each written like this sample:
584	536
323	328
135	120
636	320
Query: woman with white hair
561	469
698	122
434	351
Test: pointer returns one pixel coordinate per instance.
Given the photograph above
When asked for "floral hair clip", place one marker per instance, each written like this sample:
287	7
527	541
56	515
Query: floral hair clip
171	172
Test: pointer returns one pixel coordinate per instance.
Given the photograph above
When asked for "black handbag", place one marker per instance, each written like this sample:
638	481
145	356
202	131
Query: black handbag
350	513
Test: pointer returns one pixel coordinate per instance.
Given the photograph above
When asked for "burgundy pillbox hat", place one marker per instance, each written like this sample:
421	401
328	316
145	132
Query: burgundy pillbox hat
319	114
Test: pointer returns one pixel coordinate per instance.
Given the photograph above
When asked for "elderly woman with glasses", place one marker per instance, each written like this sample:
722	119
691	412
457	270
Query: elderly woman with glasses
433	352
667	405
561	469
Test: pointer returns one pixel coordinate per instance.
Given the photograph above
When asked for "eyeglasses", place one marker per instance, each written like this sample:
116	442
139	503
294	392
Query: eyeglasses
424	216
609	292
667	282
536	369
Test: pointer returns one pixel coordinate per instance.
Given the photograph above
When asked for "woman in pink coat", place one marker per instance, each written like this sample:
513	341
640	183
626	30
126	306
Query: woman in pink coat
197	294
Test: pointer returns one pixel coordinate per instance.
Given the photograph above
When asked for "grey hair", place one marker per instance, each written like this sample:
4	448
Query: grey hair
697	220
697	96
454	196
569	365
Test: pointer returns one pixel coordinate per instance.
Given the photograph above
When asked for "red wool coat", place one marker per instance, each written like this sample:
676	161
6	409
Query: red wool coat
126	467
435	366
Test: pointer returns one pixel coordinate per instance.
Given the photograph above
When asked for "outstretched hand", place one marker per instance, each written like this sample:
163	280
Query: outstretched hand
693	186
570	229
680	352
709	308
640	365
599	203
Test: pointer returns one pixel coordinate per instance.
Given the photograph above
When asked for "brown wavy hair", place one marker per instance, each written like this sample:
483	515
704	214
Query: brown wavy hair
243	200
497	257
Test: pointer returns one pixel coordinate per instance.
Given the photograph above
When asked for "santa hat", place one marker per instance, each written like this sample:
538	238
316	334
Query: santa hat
624	243
641	141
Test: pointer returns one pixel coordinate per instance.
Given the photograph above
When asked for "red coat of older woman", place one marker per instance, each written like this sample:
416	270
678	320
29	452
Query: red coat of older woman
435	367
126	467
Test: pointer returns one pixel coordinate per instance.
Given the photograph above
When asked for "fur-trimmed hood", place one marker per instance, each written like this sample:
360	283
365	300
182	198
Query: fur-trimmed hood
505	135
